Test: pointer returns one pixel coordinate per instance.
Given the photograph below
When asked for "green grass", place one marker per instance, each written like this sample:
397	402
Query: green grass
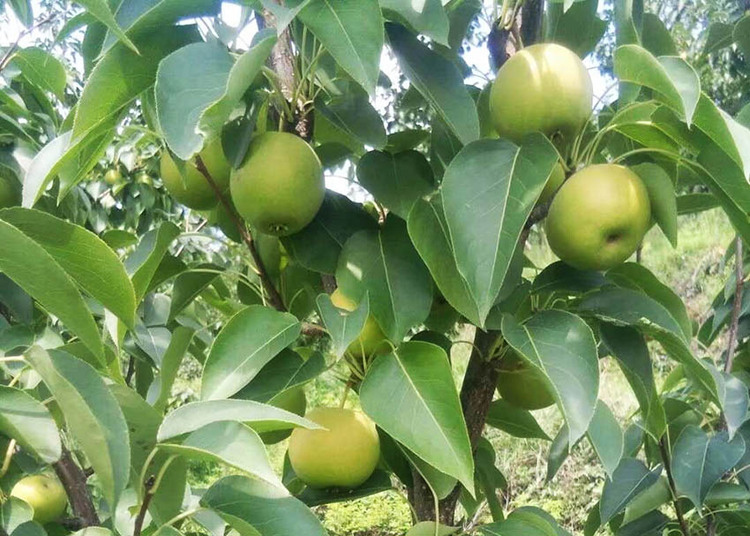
695	270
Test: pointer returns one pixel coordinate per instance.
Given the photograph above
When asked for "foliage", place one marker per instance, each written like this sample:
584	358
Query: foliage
110	290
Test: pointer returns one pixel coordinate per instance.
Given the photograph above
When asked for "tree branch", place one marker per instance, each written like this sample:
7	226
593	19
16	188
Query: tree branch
672	488
739	260
148	495
74	481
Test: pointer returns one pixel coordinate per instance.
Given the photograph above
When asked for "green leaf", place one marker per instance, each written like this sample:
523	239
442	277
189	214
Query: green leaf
42	69
23	10
229	443
606	437
629	479
485	216
28	421
662	196
461	13
284	15
343	326
355	117
254	507
699	461
730	137
83	255
108	90
719	37
514	421
143	262
438	80
170	364
489	477
262	417
396	180
411	395
674	80
656	37
379	482
579	28
693	203
562	278
648	500
190	108
427	17
352	32
742	35
34	270
250	339
92	414
629	348
385	265
440	484
284	372
317	246
637	277
521	523
188	286
562	347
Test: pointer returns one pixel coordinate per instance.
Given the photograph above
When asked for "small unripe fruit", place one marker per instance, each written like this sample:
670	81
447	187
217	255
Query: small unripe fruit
191	187
543	88
598	217
371	340
292	400
553	184
344	455
280	187
523	385
44	494
112	176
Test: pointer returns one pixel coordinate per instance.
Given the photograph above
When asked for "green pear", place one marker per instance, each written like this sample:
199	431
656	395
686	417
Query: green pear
190	186
598	217
371	340
292	400
280	186
543	88
45	494
344	455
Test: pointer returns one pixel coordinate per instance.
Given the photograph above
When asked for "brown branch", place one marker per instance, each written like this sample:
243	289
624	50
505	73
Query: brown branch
148	495
74	481
274	298
672	488
12	49
739	261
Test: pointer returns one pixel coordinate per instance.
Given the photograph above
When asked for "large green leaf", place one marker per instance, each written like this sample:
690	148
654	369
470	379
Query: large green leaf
521	523
429	233
385	265
742	34
485	215
427	17
28	421
396	180
662	196
352	32
579	28
33	269
84	256
247	342
629	347
261	417
192	108
144	261
170	364
628	480
355	117
253	507
92	414
727	135
671	77
410	393
230	443
514	421
143	422
699	461
606	437
286	371
189	284
378	482
562	347
343	326
101	10
438	80
42	69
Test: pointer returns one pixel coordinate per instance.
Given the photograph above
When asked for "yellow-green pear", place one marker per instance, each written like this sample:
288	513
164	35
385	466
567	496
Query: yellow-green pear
280	186
292	400
344	455
371	340
45	494
191	187
523	385
543	88
598	217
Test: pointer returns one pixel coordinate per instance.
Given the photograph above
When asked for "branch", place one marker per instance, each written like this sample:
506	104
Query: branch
149	494
74	481
672	487
739	262
12	49
274	298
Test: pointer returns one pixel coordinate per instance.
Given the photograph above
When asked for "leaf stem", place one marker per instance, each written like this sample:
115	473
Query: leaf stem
672	488
737	307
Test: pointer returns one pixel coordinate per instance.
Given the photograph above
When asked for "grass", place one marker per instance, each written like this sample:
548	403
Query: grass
695	269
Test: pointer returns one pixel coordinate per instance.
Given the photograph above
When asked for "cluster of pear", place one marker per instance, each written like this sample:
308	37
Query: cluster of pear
598	217
277	190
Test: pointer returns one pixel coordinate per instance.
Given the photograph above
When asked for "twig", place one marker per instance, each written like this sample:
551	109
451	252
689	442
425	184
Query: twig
149	494
733	326
131	370
12	49
74	481
672	487
274	298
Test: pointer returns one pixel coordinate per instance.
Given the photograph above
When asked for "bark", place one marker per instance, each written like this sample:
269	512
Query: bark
74	481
